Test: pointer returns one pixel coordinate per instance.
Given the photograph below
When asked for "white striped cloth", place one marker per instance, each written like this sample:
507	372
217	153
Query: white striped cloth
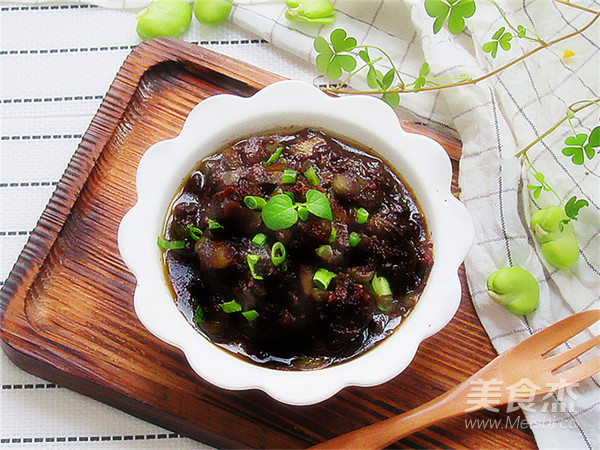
494	119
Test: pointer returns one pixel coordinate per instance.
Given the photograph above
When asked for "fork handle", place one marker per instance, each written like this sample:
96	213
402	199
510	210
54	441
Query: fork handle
381	434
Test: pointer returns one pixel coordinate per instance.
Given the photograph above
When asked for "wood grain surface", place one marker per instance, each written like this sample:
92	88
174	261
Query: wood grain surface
67	306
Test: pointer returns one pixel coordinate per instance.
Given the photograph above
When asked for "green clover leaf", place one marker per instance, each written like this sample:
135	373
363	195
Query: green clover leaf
573	206
499	39
422	78
537	189
592	142
456	11
575	148
329	60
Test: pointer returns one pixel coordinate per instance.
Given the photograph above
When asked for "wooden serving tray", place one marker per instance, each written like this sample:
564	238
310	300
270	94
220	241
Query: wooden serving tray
67	307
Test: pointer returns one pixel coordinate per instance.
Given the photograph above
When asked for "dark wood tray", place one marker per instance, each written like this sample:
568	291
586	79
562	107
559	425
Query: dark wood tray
67	310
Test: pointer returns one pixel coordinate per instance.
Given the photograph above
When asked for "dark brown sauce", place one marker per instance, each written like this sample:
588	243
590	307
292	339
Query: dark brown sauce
275	315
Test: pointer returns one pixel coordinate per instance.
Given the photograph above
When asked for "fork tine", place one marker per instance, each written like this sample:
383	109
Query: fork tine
580	372
563	358
556	334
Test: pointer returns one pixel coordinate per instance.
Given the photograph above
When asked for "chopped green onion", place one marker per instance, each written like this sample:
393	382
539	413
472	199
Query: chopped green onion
213	224
250	315
199	315
231	307
311	176
274	157
324	252
381	286
289	176
254	202
303	213
354	239
277	253
333	235
169	245
322	278
259	239
195	233
362	215
252	260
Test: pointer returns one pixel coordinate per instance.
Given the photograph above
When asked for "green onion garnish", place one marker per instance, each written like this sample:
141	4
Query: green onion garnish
169	245
231	307
199	315
259	239
254	202
380	286
354	239
195	233
311	176
303	213
213	224
322	278
274	157
252	260
324	252
277	253
362	215
250	315
333	234
289	176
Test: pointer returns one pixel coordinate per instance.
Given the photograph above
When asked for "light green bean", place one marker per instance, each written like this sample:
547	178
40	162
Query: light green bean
556	236
320	12
514	288
212	12
168	18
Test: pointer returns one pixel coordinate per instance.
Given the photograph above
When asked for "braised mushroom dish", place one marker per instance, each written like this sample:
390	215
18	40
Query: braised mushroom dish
295	250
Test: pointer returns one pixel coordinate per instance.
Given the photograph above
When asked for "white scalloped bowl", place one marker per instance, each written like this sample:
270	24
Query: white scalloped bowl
225	119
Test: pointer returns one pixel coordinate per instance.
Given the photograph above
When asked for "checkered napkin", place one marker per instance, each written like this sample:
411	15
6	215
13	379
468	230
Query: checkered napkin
494	119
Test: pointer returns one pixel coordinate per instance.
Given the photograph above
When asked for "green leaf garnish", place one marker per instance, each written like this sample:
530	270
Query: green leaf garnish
231	307
330	58
573	206
169	245
279	212
455	10
500	39
318	204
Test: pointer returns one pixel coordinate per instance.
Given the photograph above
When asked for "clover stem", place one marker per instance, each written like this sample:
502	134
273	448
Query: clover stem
353	73
510	25
572	5
572	108
482	77
533	171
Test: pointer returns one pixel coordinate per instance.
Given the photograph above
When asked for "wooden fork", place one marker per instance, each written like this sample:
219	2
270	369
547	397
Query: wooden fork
527	361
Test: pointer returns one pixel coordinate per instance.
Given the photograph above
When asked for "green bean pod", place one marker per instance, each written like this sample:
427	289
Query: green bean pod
514	288
168	18
554	231
320	12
